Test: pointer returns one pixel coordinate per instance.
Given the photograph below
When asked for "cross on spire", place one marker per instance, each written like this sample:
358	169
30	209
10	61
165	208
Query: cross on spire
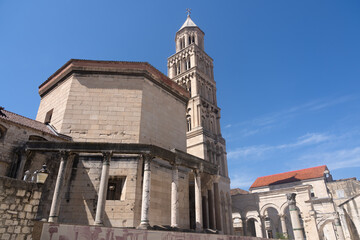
188	10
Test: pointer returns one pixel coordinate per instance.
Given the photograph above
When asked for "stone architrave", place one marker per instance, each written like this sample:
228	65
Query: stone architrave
294	215
100	208
174	197
145	204
56	201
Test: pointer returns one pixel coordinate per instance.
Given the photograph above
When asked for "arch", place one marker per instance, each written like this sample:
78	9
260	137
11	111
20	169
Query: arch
266	206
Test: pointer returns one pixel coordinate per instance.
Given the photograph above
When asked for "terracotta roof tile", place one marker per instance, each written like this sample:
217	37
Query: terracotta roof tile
287	177
27	122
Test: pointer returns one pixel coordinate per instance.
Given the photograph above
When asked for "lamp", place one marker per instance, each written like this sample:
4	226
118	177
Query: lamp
42	174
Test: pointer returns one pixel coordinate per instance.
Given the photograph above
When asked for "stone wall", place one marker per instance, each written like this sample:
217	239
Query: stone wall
19	202
62	231
16	136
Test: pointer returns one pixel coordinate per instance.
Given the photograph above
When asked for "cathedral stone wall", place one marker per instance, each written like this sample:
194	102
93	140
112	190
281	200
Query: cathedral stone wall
162	118
56	100
116	108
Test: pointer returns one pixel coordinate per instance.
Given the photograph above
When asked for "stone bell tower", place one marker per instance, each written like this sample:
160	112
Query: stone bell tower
192	68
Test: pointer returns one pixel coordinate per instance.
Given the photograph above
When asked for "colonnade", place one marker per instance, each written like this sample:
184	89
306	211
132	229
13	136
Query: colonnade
199	167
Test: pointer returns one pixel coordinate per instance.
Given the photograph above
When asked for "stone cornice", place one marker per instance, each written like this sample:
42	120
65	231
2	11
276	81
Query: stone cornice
141	69
172	156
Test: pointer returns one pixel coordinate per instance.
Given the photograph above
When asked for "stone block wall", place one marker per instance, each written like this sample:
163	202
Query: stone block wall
19	202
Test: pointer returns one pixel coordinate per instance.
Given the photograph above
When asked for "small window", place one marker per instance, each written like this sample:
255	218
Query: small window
115	187
312	194
48	116
340	193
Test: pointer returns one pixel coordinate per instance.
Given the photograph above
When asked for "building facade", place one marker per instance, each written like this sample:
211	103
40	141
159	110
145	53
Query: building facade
302	204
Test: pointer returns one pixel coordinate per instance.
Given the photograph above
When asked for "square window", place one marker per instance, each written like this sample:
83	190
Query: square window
115	187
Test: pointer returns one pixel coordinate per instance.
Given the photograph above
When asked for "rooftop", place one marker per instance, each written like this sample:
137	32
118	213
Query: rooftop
112	67
288	177
30	123
188	23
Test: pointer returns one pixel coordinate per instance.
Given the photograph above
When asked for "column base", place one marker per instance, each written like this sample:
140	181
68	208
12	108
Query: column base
144	226
98	224
52	219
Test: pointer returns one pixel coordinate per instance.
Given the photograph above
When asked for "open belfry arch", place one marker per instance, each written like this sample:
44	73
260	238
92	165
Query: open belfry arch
192	68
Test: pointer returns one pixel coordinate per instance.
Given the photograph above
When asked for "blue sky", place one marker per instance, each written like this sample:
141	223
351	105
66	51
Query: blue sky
287	71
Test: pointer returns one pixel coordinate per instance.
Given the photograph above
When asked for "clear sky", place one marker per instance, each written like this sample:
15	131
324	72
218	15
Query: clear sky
287	71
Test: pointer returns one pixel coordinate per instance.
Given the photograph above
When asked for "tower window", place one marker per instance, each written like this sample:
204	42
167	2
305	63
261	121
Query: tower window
178	68
188	64
48	116
115	187
188	122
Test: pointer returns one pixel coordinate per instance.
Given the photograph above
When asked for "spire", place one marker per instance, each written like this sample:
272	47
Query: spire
188	22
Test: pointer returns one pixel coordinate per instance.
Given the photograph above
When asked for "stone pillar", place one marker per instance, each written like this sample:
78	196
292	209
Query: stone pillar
198	201
145	204
56	201
294	215
339	230
217	206
174	197
212	219
243	220
24	156
283	225
100	208
186	40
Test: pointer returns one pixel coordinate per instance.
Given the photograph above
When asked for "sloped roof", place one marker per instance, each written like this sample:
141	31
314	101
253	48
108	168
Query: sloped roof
288	177
237	191
188	23
27	122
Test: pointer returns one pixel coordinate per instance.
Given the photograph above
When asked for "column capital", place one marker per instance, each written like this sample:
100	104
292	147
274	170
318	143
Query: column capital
281	216
64	154
148	156
107	156
291	198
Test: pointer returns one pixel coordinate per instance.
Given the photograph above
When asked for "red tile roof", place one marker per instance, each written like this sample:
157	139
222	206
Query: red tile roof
287	177
27	122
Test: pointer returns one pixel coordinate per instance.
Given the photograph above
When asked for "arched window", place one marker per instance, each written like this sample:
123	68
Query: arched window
188	122
188	63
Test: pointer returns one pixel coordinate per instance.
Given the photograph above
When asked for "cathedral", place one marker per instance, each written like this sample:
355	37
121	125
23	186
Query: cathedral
122	146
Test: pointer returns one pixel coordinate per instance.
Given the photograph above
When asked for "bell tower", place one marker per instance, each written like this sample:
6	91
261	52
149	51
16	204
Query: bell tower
192	68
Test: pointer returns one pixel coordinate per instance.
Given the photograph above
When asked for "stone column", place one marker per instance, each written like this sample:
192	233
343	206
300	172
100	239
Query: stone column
339	230
243	220
283	225
212	219
294	215
198	201
24	156
174	197
145	204
217	206
100	208
56	201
